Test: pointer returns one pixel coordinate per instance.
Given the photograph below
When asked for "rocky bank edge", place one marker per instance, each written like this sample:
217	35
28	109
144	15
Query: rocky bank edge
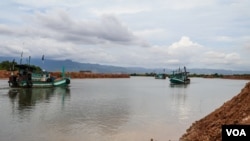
234	111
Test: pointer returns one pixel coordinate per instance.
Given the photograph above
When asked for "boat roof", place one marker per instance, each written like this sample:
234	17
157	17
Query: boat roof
180	71
23	66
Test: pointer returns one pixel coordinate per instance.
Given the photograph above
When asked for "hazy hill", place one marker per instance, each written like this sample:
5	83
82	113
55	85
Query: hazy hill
56	65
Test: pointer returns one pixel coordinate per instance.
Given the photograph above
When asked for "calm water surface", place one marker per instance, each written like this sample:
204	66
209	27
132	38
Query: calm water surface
138	108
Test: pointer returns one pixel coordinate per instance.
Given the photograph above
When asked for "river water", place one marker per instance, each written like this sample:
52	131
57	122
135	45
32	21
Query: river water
132	109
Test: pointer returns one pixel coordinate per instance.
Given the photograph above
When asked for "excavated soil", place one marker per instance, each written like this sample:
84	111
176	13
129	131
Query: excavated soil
234	111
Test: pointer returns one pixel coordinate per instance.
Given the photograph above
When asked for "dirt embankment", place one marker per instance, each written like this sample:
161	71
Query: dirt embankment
6	74
245	77
234	111
240	77
91	75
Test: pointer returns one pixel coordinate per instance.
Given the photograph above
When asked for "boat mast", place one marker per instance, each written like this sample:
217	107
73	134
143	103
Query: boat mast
12	67
21	58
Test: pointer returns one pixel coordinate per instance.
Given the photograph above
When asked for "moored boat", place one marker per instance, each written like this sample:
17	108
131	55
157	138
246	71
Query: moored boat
160	76
26	77
179	77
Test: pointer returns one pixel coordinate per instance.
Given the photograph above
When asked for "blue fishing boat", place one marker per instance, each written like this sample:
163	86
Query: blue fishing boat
179	77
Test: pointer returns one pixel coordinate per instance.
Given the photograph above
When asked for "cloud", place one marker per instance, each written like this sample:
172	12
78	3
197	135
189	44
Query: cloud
220	58
153	35
186	50
182	52
224	38
246	44
184	45
119	10
128	33
107	29
4	29
60	26
188	4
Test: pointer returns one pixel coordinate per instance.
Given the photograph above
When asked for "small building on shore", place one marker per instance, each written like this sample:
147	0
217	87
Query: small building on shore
85	71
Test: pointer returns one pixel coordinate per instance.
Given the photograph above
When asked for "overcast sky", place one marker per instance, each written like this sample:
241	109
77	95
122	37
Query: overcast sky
129	33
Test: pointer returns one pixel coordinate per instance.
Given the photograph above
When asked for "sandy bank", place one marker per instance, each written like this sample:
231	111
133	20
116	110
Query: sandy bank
234	111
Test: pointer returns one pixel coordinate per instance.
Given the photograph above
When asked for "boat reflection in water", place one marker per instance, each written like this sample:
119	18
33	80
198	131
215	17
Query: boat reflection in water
178	85
47	114
27	98
179	96
179	91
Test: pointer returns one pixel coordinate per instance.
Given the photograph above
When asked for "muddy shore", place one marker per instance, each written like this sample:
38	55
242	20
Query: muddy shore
234	111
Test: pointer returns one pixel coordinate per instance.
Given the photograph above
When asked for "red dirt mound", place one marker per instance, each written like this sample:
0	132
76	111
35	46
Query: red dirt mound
234	111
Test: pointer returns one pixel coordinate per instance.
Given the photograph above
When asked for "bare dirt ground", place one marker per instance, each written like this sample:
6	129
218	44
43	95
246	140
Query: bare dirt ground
234	111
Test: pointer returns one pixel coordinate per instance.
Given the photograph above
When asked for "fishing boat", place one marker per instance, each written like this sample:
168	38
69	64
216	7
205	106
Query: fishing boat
160	76
26	77
179	77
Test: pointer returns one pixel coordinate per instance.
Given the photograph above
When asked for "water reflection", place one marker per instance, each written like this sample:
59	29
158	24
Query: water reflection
93	116
179	91
118	109
178	85
28	98
72	117
179	97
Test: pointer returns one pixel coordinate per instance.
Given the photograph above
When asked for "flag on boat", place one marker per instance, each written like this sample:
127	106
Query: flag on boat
43	59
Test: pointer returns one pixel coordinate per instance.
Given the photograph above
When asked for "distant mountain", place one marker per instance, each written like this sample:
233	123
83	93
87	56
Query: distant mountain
69	65
56	65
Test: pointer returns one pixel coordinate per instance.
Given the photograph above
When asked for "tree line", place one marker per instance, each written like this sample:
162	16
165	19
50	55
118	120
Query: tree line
11	66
